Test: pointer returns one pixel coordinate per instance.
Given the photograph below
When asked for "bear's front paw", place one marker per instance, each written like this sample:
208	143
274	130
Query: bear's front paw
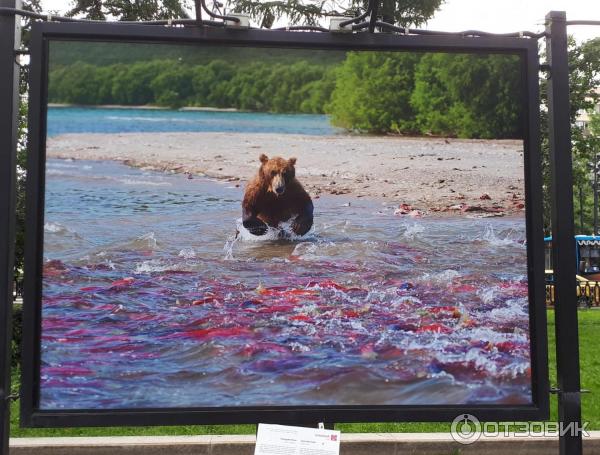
302	225
255	226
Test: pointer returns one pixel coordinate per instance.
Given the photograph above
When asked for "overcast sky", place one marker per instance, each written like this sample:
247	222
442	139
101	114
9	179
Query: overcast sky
514	15
486	15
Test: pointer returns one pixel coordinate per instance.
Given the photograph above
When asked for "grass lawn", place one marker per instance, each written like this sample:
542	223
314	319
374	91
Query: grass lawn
589	333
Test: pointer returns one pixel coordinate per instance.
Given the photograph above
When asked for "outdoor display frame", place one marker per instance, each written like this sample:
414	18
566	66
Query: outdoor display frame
44	33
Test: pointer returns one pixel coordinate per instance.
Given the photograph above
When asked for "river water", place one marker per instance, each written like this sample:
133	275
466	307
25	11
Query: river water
150	299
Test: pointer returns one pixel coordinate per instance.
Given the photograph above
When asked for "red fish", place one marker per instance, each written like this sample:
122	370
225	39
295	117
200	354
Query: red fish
204	300
301	317
277	309
122	283
436	328
209	334
391	353
250	350
507	346
350	313
451	311
91	289
67	371
464	288
286	292
327	284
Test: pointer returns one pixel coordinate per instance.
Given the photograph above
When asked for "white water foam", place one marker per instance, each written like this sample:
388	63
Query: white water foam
283	232
152	265
444	277
143	182
149	119
147	240
187	253
413	230
57	228
507	238
54	227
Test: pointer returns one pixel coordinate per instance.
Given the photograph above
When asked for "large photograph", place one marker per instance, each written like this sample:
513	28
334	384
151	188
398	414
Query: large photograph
229	227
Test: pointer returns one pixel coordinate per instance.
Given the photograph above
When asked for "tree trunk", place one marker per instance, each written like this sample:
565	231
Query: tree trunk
388	8
198	10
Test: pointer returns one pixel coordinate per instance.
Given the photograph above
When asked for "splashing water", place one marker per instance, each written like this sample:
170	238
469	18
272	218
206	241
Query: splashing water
151	299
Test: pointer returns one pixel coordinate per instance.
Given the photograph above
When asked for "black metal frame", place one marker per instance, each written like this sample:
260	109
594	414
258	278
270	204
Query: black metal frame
563	244
9	112
42	33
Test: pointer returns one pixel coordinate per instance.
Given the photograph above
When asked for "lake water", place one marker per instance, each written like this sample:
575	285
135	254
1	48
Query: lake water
151	300
62	120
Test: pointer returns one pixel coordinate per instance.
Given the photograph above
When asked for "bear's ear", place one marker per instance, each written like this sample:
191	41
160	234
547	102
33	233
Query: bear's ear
292	161
263	158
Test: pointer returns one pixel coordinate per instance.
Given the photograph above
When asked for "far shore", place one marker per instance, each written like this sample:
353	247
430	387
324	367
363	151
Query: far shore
145	107
419	175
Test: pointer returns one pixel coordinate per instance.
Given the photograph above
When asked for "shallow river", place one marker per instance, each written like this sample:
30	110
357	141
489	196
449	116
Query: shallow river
150	300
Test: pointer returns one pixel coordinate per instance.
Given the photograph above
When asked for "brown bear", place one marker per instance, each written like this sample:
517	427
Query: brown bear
274	195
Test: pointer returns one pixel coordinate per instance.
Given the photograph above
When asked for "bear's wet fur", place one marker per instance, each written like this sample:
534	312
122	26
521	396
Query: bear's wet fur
274	195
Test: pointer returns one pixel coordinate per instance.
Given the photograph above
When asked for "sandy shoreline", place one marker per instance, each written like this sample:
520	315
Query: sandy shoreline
478	177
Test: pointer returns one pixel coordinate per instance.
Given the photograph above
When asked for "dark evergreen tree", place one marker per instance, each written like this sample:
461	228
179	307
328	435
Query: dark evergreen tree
129	10
263	13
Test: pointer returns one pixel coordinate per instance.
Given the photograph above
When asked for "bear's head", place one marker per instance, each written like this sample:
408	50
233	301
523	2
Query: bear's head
277	173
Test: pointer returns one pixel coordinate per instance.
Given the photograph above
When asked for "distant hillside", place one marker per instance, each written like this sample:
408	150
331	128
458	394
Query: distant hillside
64	53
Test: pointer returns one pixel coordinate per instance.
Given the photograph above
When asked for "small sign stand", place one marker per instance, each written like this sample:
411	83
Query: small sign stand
278	439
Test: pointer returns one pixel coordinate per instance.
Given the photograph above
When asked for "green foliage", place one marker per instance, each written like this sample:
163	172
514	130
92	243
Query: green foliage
299	87
17	335
584	80
130	84
406	12
310	12
82	83
469	96
129	10
263	13
172	86
21	180
372	92
64	53
594	125
431	94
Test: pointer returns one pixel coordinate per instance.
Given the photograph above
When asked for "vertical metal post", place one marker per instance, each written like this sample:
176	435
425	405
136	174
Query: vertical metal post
388	8
596	170
198	11
563	242
9	110
581	228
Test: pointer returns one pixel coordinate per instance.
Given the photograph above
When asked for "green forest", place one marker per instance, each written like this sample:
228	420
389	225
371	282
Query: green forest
370	92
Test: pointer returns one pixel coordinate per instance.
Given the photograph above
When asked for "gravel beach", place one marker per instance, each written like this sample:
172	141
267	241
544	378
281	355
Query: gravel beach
419	175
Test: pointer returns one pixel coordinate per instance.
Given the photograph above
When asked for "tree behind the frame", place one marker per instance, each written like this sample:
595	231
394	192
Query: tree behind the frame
584	80
263	13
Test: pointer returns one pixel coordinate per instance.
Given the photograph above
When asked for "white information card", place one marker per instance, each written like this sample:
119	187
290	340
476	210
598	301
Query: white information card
286	440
